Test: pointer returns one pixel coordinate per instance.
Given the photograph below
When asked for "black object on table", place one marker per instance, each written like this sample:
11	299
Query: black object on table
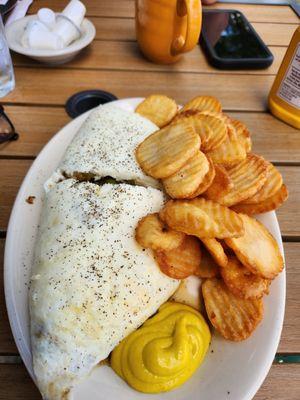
81	102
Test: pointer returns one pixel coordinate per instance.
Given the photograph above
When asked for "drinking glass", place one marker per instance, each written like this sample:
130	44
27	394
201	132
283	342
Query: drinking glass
7	79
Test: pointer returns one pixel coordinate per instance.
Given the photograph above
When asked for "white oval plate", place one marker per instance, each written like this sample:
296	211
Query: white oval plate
232	371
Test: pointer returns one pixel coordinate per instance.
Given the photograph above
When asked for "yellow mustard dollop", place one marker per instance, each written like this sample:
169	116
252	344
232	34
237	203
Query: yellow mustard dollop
164	352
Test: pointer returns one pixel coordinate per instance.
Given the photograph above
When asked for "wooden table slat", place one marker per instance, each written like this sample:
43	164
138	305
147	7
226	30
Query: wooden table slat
125	9
117	55
283	382
290	338
123	29
241	92
271	138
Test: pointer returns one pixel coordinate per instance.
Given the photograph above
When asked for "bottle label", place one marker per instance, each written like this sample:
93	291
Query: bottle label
289	90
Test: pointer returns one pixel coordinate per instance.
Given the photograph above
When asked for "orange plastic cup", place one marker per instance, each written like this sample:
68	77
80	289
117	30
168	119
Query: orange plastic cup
167	28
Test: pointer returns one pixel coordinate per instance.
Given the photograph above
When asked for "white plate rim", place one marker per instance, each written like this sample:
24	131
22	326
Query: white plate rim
9	289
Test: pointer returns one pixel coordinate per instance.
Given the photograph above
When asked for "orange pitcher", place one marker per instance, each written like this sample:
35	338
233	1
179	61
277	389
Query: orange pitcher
167	28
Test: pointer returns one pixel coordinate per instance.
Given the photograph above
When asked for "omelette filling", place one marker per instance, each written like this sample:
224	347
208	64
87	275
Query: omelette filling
165	351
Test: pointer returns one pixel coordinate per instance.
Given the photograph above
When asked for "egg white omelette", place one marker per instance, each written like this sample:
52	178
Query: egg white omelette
105	146
92	284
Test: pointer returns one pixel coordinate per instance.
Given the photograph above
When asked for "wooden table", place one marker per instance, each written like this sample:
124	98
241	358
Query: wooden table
113	63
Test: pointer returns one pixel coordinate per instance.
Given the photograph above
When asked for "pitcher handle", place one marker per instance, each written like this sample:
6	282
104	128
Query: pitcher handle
193	10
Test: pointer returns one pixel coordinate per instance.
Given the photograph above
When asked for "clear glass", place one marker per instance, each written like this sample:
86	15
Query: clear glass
7	79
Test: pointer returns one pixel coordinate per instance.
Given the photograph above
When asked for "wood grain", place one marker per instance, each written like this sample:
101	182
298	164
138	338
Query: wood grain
114	28
282	383
125	8
275	34
290	338
36	126
242	92
123	29
12	174
288	215
106	8
271	138
7	343
117	55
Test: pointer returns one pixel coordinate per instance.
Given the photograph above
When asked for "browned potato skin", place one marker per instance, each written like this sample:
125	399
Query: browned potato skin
241	282
152	233
181	262
234	318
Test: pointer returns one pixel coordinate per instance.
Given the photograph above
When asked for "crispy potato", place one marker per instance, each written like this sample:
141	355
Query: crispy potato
207	180
257	249
208	267
220	185
181	262
243	134
202	218
210	127
220	115
247	177
218	131
270	188
231	151
164	152
189	293
234	318
152	233
184	114
267	205
216	250
186	180
241	282
203	103
159	108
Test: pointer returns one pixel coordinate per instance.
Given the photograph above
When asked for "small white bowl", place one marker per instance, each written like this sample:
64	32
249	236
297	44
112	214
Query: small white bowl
15	30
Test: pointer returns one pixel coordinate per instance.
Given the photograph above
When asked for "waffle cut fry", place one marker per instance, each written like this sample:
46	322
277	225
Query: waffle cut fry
208	267
234	318
216	250
152	233
158	108
270	188
202	218
207	180
210	127
257	249
243	134
221	184
186	180
217	128
182	261
231	151
164	152
241	282
269	204
247	178
203	103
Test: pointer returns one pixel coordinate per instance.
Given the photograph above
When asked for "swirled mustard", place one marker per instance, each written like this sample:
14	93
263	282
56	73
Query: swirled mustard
165	351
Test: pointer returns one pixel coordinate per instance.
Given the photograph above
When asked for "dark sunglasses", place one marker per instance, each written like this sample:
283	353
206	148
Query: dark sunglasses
7	130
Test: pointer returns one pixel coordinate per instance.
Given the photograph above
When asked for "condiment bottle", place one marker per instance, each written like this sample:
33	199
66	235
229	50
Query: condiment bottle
284	97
